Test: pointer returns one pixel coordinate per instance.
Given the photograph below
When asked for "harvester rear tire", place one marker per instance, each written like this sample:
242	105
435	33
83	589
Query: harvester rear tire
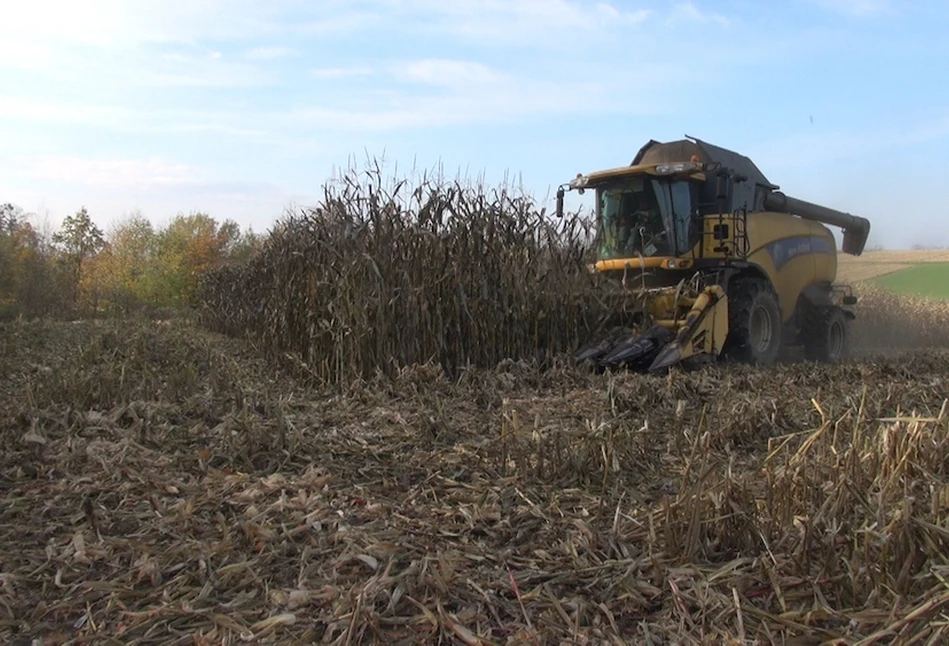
754	322
827	335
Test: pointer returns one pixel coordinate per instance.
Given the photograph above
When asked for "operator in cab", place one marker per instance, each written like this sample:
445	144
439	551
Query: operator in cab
636	225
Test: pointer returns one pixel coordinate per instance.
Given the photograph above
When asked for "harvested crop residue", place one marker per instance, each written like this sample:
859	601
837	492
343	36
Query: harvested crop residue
163	485
875	263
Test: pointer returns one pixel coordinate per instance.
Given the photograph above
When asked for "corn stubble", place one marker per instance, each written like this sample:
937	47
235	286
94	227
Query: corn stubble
161	483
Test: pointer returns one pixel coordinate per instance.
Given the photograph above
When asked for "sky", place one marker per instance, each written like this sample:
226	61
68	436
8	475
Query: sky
244	109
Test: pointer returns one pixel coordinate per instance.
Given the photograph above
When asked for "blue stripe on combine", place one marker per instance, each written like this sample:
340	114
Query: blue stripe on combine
784	251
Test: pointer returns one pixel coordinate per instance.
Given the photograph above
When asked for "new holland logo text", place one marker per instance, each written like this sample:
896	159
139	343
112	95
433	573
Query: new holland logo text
784	251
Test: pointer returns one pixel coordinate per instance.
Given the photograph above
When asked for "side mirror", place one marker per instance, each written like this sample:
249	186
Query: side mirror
721	186
560	202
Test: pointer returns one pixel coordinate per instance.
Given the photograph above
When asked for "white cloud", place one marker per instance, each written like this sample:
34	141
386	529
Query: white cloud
122	119
328	22
270	53
26	109
527	23
492	100
202	74
339	72
176	65
123	173
17	54
48	33
59	184
859	8
118	24
439	92
447	73
688	12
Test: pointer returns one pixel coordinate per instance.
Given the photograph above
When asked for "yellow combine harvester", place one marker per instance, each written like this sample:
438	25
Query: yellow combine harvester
717	261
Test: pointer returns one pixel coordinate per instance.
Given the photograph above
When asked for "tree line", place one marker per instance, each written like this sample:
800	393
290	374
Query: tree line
133	267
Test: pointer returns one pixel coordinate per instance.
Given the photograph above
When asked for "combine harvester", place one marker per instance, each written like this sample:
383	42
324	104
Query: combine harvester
715	262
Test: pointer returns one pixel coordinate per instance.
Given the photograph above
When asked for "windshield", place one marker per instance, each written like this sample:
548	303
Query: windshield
647	215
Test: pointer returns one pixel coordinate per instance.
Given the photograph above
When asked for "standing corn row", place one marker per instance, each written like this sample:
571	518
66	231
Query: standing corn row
375	278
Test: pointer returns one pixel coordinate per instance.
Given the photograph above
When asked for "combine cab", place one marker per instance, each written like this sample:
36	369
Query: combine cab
717	261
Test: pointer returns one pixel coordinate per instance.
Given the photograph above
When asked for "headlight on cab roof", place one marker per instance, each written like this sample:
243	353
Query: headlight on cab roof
681	167
580	181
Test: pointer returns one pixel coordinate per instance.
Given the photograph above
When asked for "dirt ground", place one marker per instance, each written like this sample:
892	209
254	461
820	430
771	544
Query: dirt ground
160	484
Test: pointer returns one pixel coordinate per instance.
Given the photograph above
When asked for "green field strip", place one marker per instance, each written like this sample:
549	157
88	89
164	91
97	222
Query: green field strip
929	280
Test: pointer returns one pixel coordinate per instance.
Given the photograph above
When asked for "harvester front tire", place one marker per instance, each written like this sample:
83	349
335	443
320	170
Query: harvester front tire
754	321
827	337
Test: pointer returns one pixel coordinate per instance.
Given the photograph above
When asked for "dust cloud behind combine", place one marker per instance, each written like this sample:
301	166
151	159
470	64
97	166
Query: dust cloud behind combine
889	324
290	481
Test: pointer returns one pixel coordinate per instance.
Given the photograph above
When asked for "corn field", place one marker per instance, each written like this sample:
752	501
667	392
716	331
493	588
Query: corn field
381	276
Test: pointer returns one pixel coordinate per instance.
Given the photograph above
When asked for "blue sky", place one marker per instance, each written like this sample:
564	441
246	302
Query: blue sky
242	108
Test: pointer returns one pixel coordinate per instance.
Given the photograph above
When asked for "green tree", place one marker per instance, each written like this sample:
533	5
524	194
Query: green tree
10	249
122	272
79	237
78	240
187	247
244	246
132	267
28	282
